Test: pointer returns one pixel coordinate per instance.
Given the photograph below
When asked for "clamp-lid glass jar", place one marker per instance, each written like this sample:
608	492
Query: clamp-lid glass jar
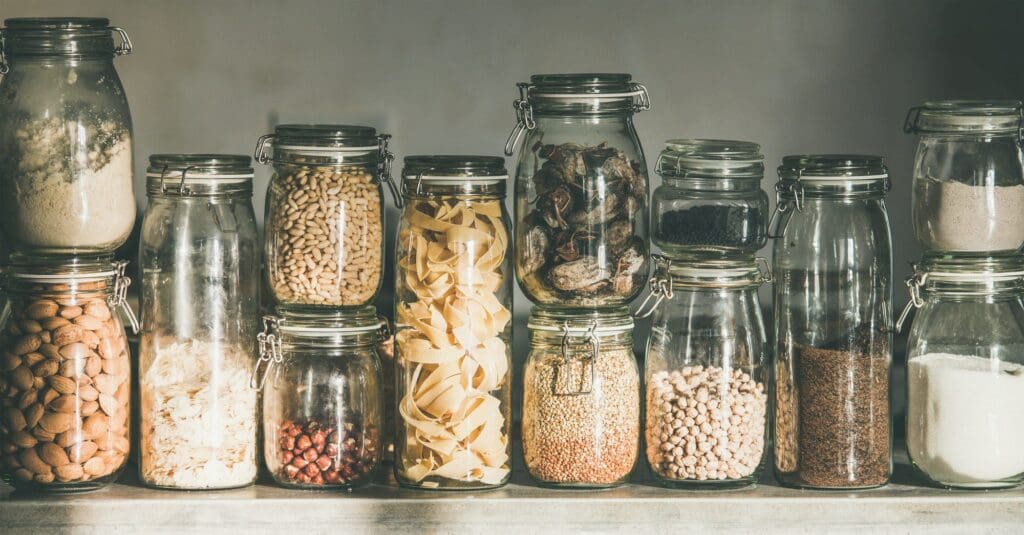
453	312
707	374
325	214
581	190
710	202
581	398
65	376
968	177
199	256
965	372
833	322
322	399
66	175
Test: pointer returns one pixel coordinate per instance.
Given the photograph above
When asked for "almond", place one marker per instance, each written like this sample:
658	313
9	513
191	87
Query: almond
93	366
51	324
88	322
14	419
61	384
56	422
95	426
50	351
32	359
89	408
21	378
30	326
82	452
112	366
32	415
43	478
27	344
9	361
23	439
65	403
90	339
123	394
70	312
75	351
23	474
68	438
71	368
67	334
95	467
27	398
29	459
121	444
107	348
52	454
49	395
43	435
98	310
105	383
88	393
69	472
41	309
45	337
104	442
46	368
108	404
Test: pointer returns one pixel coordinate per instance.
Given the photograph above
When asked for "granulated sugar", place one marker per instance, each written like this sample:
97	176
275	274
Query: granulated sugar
953	216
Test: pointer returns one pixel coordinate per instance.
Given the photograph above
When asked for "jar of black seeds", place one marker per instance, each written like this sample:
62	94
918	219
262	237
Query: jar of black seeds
710	203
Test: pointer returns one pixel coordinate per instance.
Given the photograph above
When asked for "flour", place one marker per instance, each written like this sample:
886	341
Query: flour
965	418
953	216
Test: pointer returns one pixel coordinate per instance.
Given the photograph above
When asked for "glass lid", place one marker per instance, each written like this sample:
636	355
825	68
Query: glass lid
833	168
965	116
711	158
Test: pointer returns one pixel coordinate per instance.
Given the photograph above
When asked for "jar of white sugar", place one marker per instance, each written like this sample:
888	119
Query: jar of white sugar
66	173
968	178
965	372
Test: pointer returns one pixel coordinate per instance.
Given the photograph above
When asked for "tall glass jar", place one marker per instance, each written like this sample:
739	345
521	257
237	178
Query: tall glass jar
324	237
968	177
453	312
322	399
965	372
710	203
581	190
199	257
581	398
707	374
66	174
833	322
65	376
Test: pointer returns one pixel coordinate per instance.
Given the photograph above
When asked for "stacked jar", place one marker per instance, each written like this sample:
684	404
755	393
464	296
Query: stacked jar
318	366
707	373
965	358
66	205
582	256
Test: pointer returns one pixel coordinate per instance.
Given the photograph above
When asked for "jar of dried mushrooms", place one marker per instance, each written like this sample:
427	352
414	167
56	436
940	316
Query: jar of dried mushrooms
325	214
453	313
581	190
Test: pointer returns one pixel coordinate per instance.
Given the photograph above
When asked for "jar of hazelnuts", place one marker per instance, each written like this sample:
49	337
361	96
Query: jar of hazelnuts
322	398
65	376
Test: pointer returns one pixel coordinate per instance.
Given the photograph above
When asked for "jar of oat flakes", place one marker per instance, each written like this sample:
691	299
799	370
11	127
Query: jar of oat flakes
581	399
324	219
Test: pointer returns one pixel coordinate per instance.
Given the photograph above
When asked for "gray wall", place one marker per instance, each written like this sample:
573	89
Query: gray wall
810	76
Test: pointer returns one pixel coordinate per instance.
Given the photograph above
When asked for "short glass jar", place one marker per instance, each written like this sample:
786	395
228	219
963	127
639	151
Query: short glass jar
707	374
581	191
324	219
322	399
581	399
833	322
199	257
66	175
65	375
968	177
710	202
965	372
453	315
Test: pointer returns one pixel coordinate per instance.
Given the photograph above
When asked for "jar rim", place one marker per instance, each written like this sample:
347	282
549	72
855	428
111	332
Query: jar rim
966	116
295	136
953	269
202	168
832	168
590	83
717	273
91	269
577	322
711	158
454	169
327	324
56	23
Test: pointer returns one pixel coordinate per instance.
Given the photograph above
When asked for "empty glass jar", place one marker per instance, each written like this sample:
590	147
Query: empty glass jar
199	257
965	372
968	178
453	312
66	175
707	374
833	322
322	400
324	218
65	375
581	190
581	398
710	203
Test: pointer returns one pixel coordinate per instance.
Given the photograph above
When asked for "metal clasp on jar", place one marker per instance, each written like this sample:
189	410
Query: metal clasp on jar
384	162
661	287
584	388
914	284
125	47
119	298
269	344
263	144
524	118
183	190
794	189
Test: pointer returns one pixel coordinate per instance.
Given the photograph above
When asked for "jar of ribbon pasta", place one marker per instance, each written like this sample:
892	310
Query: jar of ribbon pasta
322	405
453	312
324	214
581	398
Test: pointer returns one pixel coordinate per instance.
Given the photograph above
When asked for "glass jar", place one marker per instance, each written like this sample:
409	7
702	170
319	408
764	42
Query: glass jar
322	399
199	257
65	376
581	399
710	202
965	372
325	214
581	190
833	322
453	312
707	374
968	178
66	176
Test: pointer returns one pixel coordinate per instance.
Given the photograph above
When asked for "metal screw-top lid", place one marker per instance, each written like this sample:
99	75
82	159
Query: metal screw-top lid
710	158
966	116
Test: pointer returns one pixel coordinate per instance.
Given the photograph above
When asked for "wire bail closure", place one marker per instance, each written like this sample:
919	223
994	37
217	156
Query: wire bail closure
119	299
182	188
661	287
794	188
269	344
385	159
4	66
595	350
125	47
914	284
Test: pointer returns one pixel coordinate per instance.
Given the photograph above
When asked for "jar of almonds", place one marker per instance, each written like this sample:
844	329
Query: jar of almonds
322	400
325	215
65	377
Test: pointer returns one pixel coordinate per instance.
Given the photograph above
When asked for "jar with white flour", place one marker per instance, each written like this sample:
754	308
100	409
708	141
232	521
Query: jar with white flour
965	407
